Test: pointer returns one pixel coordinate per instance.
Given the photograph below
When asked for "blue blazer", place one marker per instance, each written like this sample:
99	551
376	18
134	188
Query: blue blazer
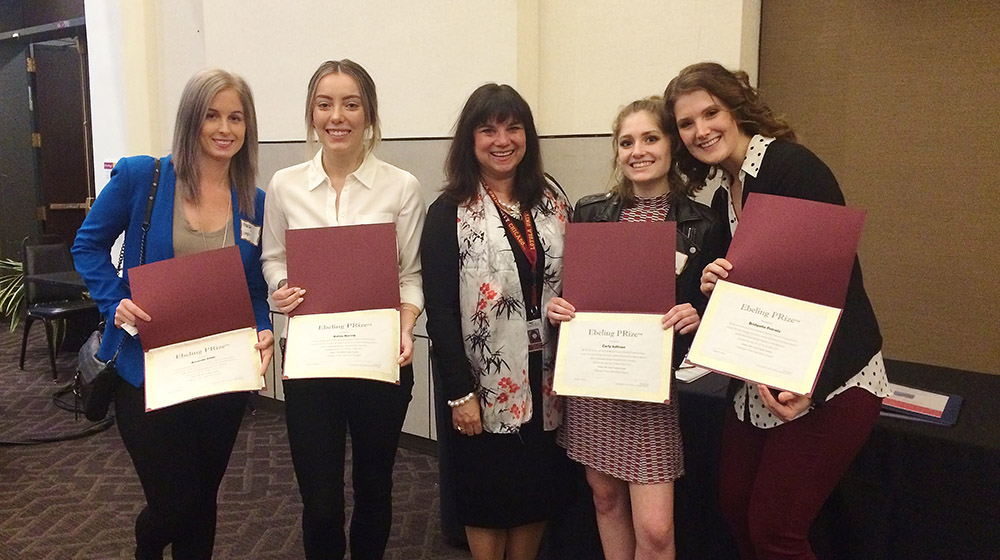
121	207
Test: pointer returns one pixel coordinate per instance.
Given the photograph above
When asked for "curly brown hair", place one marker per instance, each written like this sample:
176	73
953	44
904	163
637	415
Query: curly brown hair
732	88
621	185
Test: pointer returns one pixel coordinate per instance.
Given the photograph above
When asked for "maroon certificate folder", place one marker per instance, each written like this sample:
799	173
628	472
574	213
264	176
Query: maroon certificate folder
797	248
344	268
191	297
620	267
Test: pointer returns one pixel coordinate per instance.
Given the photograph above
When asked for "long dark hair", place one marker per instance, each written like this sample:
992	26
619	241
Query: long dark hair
733	89
493	103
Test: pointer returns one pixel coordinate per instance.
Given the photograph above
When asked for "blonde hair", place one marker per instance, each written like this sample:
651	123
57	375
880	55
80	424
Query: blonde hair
369	100
620	184
187	151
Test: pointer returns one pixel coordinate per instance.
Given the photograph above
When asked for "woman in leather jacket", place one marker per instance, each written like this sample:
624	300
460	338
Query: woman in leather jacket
632	451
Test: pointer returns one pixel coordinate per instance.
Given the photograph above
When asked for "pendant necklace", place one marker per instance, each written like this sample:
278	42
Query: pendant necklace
225	230
512	208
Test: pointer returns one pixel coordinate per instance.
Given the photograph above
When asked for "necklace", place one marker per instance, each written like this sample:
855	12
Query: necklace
225	230
512	208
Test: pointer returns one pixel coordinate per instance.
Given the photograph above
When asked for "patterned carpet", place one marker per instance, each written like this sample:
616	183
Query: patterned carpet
78	499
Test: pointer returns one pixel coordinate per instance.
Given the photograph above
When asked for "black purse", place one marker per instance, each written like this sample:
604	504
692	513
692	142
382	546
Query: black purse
95	380
94	383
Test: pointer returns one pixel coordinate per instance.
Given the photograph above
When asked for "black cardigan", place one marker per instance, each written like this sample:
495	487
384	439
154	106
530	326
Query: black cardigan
790	169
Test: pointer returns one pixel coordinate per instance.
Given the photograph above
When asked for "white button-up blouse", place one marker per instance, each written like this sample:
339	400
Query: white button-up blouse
301	197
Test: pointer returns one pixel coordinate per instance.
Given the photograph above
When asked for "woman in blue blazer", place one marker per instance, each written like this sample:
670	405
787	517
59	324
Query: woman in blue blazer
206	199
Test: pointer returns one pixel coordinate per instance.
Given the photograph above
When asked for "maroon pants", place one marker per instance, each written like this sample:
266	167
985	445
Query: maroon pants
773	482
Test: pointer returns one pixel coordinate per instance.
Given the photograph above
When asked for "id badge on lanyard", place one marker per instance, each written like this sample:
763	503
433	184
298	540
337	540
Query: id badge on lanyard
535	342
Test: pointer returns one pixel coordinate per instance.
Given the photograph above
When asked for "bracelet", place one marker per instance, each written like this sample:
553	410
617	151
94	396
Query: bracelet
461	401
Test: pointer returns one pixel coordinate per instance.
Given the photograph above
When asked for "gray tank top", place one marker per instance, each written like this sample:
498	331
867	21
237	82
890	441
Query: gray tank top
188	240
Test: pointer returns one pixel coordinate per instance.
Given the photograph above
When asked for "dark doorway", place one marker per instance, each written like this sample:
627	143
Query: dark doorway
64	158
45	153
18	192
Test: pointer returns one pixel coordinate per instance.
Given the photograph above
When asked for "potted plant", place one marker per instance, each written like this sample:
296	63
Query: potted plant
11	290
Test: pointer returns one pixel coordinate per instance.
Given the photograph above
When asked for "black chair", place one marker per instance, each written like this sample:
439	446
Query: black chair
51	303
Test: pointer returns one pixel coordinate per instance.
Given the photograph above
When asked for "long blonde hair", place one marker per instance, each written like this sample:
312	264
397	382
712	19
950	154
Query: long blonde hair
620	184
191	112
369	100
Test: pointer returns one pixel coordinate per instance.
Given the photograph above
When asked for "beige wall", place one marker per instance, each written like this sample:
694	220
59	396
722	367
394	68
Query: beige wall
575	61
901	102
581	165
596	56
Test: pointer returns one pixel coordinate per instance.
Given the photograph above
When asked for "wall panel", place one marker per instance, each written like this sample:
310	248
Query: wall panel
899	98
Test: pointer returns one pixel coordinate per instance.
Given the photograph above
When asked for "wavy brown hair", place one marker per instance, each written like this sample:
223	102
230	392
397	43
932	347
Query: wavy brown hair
732	88
622	185
186	150
493	103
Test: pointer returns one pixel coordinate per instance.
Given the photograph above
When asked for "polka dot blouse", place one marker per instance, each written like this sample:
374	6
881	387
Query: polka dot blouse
871	378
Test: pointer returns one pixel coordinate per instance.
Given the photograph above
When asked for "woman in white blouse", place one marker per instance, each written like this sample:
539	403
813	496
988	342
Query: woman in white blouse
345	184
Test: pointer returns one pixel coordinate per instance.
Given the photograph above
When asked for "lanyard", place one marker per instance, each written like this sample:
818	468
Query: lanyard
528	247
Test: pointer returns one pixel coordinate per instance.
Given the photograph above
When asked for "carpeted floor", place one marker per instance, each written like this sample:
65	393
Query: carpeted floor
78	499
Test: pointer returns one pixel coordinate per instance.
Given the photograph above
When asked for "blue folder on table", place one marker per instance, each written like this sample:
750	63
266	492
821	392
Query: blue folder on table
897	406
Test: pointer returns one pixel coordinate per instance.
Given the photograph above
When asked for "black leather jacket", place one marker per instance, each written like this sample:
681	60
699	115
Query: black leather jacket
700	235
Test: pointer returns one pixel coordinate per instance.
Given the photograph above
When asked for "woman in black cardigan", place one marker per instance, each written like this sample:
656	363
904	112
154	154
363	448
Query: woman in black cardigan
781	455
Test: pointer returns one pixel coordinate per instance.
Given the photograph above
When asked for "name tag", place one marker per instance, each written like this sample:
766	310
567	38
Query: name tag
680	259
250	232
535	341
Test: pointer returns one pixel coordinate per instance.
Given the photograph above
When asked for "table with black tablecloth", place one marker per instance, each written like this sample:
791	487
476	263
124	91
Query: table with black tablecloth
916	490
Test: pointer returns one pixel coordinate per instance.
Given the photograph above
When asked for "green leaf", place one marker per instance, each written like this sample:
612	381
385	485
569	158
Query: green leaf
11	291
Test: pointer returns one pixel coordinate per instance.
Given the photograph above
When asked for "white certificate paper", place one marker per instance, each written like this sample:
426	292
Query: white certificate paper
624	356
354	344
764	338
221	363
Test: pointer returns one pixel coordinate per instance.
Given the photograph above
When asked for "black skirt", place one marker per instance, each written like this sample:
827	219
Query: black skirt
508	480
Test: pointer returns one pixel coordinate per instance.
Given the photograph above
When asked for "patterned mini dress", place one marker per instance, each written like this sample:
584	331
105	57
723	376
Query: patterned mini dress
636	442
